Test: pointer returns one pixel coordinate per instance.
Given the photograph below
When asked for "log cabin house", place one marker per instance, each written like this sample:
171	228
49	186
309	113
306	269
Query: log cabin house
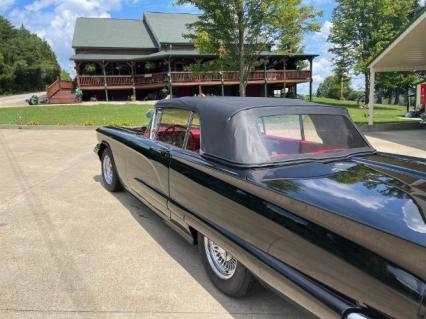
116	59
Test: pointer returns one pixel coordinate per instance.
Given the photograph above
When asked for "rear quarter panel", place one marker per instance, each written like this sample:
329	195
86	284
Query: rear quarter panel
350	258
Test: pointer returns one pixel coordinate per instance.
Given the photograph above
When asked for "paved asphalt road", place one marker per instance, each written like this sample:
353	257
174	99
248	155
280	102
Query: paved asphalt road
70	249
17	100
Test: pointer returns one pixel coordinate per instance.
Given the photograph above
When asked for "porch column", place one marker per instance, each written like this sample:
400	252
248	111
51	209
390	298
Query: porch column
284	74
169	74
200	89
222	84
132	67
105	81
371	97
77	77
78	71
311	79
265	75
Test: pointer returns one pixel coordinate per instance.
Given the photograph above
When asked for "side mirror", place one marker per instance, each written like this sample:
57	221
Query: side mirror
150	114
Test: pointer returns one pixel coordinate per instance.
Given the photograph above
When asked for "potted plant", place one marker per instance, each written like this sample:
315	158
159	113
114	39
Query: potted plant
90	68
33	100
149	66
78	95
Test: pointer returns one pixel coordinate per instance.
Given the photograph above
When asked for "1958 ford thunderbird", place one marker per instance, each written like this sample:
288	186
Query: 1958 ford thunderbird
285	192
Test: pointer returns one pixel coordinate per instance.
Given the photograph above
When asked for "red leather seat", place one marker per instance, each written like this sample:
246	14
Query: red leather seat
194	140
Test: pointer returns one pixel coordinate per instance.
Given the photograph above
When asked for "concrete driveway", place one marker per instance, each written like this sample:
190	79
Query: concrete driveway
411	143
70	249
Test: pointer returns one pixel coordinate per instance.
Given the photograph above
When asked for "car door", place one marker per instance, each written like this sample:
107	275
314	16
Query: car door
148	163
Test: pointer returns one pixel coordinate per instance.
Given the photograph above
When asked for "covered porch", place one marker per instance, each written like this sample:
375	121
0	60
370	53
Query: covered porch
172	73
407	52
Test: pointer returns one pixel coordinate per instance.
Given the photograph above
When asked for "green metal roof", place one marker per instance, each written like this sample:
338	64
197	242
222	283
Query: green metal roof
166	54
134	57
169	27
107	57
156	29
111	33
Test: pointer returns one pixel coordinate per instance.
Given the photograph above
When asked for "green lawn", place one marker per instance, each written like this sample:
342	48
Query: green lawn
100	114
382	113
134	114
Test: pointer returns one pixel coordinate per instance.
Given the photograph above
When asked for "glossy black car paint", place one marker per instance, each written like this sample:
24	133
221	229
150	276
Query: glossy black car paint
337	230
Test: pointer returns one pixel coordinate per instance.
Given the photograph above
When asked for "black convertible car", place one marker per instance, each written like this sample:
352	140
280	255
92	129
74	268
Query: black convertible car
286	192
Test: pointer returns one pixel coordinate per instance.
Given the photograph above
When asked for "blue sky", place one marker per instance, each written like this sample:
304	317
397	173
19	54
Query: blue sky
54	21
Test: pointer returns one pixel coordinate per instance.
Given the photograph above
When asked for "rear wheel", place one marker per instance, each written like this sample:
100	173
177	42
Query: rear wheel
223	269
109	173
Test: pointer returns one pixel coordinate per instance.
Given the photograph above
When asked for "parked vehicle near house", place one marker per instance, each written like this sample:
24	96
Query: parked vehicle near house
286	192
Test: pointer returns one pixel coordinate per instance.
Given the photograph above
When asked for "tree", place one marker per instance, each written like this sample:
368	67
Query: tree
239	30
396	83
65	76
342	66
331	87
362	28
27	63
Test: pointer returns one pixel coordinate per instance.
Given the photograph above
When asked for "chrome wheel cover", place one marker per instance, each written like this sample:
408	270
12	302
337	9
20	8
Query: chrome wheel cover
222	262
107	169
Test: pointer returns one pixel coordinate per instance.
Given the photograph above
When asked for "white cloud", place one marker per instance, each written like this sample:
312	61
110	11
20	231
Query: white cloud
316	43
324	64
186	8
413	217
5	5
54	20
317	2
346	192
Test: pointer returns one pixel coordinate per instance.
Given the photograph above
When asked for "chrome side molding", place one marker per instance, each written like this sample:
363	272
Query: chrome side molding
356	316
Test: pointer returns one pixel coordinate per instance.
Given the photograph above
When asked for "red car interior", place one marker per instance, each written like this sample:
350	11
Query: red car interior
278	146
194	140
175	134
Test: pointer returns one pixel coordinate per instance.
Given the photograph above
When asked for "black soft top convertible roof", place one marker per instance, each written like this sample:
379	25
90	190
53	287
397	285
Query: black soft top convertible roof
227	122
225	107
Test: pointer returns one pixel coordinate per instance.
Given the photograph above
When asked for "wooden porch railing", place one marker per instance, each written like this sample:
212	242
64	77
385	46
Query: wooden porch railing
56	86
182	77
152	78
189	77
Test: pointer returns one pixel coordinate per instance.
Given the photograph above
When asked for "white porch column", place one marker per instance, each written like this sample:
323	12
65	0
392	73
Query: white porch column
371	96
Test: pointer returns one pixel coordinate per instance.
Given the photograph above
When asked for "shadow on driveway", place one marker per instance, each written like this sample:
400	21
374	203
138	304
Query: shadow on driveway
260	302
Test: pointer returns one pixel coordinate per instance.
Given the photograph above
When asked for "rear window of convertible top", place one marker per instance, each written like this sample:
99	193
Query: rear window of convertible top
287	135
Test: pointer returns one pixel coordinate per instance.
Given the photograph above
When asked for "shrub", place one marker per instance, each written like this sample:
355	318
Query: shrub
89	123
33	123
33	100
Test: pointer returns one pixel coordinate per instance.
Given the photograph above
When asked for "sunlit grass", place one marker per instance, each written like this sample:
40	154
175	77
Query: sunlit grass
100	114
382	113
